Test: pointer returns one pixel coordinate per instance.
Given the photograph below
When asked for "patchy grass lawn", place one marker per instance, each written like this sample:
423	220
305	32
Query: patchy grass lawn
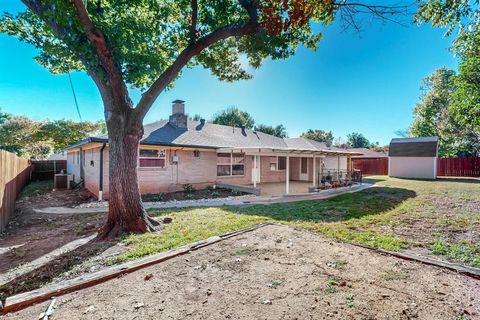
442	216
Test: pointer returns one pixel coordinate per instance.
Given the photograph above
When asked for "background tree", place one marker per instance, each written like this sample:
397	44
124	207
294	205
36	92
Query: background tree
62	133
340	143
357	140
4	116
445	111
20	135
319	135
233	117
278	131
38	139
145	44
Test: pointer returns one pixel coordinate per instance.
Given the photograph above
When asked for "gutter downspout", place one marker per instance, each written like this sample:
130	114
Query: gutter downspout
100	182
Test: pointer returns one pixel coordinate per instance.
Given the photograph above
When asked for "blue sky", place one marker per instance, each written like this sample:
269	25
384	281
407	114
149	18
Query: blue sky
367	82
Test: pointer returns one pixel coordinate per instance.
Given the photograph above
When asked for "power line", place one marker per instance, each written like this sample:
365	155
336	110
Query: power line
74	97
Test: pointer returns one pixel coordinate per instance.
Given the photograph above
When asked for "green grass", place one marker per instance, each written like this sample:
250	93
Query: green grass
395	214
36	188
460	252
189	225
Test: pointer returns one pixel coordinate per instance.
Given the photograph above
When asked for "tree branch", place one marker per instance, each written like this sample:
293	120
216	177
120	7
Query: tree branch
250	27
99	42
350	10
193	25
40	9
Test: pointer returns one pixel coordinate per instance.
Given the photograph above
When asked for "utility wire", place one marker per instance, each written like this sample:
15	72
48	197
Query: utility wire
74	97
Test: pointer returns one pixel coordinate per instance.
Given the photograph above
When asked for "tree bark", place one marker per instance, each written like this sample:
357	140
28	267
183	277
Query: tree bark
126	213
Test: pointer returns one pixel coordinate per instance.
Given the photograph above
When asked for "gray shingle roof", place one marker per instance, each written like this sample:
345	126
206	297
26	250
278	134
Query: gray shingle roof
414	147
208	135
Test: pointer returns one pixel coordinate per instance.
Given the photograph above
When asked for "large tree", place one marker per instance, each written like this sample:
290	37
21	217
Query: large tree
234	117
145	44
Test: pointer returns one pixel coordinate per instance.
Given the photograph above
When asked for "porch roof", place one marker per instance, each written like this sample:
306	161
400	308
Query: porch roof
288	151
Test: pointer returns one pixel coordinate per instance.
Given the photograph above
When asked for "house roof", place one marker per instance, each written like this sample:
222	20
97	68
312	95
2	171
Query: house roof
368	153
414	147
201	134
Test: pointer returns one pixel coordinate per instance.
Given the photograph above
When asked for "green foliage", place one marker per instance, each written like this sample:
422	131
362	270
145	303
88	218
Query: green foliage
63	133
145	37
445	111
38	139
234	117
461	252
278	131
357	140
319	135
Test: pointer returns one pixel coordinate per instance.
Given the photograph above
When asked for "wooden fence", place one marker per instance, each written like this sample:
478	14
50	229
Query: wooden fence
458	167
14	174
371	165
46	169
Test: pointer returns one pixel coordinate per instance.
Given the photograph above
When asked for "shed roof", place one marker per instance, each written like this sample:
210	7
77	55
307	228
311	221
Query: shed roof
414	147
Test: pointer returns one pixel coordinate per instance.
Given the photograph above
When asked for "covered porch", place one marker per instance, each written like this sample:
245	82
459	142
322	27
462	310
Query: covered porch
277	172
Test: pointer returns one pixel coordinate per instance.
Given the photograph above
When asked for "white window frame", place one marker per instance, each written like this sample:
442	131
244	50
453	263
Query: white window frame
160	151
231	164
277	163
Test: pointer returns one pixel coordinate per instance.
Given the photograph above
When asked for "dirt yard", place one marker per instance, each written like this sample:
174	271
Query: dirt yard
276	272
33	250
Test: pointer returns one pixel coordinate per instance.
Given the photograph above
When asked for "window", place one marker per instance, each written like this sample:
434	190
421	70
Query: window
230	164
196	153
278	163
304	166
282	163
273	163
152	158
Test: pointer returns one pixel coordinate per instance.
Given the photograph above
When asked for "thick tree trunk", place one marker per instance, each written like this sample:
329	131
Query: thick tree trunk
126	213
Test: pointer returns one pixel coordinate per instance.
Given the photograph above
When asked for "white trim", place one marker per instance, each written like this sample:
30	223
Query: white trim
164	157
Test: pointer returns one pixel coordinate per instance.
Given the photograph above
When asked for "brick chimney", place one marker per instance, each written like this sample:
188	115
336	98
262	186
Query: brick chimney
178	118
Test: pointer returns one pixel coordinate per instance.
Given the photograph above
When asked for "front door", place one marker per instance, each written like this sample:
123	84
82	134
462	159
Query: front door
304	169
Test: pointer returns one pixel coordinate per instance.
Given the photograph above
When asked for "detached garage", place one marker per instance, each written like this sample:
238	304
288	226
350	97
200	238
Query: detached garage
413	158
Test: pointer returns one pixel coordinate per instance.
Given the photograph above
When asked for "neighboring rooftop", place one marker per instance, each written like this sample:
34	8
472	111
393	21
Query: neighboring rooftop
414	147
368	153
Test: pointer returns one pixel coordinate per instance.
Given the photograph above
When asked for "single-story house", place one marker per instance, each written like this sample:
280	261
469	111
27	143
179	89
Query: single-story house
413	158
180	151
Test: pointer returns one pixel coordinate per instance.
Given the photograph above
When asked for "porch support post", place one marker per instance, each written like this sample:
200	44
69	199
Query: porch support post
255	171
314	175
338	164
287	176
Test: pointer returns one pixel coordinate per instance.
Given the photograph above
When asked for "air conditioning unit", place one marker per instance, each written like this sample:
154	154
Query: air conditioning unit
62	181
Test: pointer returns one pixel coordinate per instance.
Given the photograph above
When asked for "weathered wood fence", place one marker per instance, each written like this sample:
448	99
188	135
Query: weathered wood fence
459	167
14	174
371	165
46	169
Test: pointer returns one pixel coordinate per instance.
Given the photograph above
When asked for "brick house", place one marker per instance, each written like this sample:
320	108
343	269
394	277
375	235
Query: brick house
180	151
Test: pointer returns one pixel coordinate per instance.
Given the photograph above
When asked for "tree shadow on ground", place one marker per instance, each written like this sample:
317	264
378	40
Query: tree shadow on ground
372	201
53	269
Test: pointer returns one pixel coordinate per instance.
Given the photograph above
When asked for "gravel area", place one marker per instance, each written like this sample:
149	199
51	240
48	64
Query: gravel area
276	272
104	204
